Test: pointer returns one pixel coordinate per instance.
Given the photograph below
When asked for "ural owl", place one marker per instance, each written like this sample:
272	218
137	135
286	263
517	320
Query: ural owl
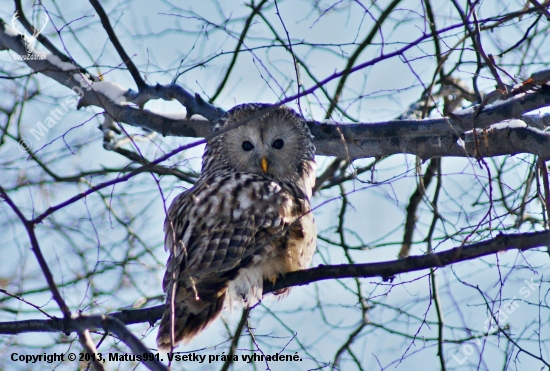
247	219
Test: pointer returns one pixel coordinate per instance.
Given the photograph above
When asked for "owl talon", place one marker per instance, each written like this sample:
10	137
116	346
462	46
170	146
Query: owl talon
284	291
281	292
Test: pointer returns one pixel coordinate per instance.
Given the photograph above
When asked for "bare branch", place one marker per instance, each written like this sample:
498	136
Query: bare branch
385	270
424	138
29	226
44	40
118	46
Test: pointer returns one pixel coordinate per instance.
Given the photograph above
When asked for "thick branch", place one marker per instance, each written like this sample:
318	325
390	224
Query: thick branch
424	138
385	270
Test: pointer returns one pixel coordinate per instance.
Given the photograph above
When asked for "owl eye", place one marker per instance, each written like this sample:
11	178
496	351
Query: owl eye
278	144
247	146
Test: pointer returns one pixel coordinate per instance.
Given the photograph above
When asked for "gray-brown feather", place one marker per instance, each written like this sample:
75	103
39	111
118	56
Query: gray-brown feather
238	225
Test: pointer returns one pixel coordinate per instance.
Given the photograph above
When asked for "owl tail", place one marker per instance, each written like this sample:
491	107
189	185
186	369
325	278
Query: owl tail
190	319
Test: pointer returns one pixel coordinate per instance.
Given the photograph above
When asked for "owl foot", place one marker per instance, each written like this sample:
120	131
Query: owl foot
273	280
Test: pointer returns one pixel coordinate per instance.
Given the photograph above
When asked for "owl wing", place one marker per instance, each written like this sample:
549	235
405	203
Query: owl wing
216	232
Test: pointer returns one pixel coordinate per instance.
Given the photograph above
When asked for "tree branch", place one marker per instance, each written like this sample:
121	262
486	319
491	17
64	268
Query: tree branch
118	46
425	138
388	270
44	40
385	270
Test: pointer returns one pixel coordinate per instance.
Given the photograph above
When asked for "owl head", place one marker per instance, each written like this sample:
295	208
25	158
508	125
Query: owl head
276	144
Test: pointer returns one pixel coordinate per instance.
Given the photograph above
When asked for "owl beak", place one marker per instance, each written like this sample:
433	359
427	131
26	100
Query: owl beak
264	164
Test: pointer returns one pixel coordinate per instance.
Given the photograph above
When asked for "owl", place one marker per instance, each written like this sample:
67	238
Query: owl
247	219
